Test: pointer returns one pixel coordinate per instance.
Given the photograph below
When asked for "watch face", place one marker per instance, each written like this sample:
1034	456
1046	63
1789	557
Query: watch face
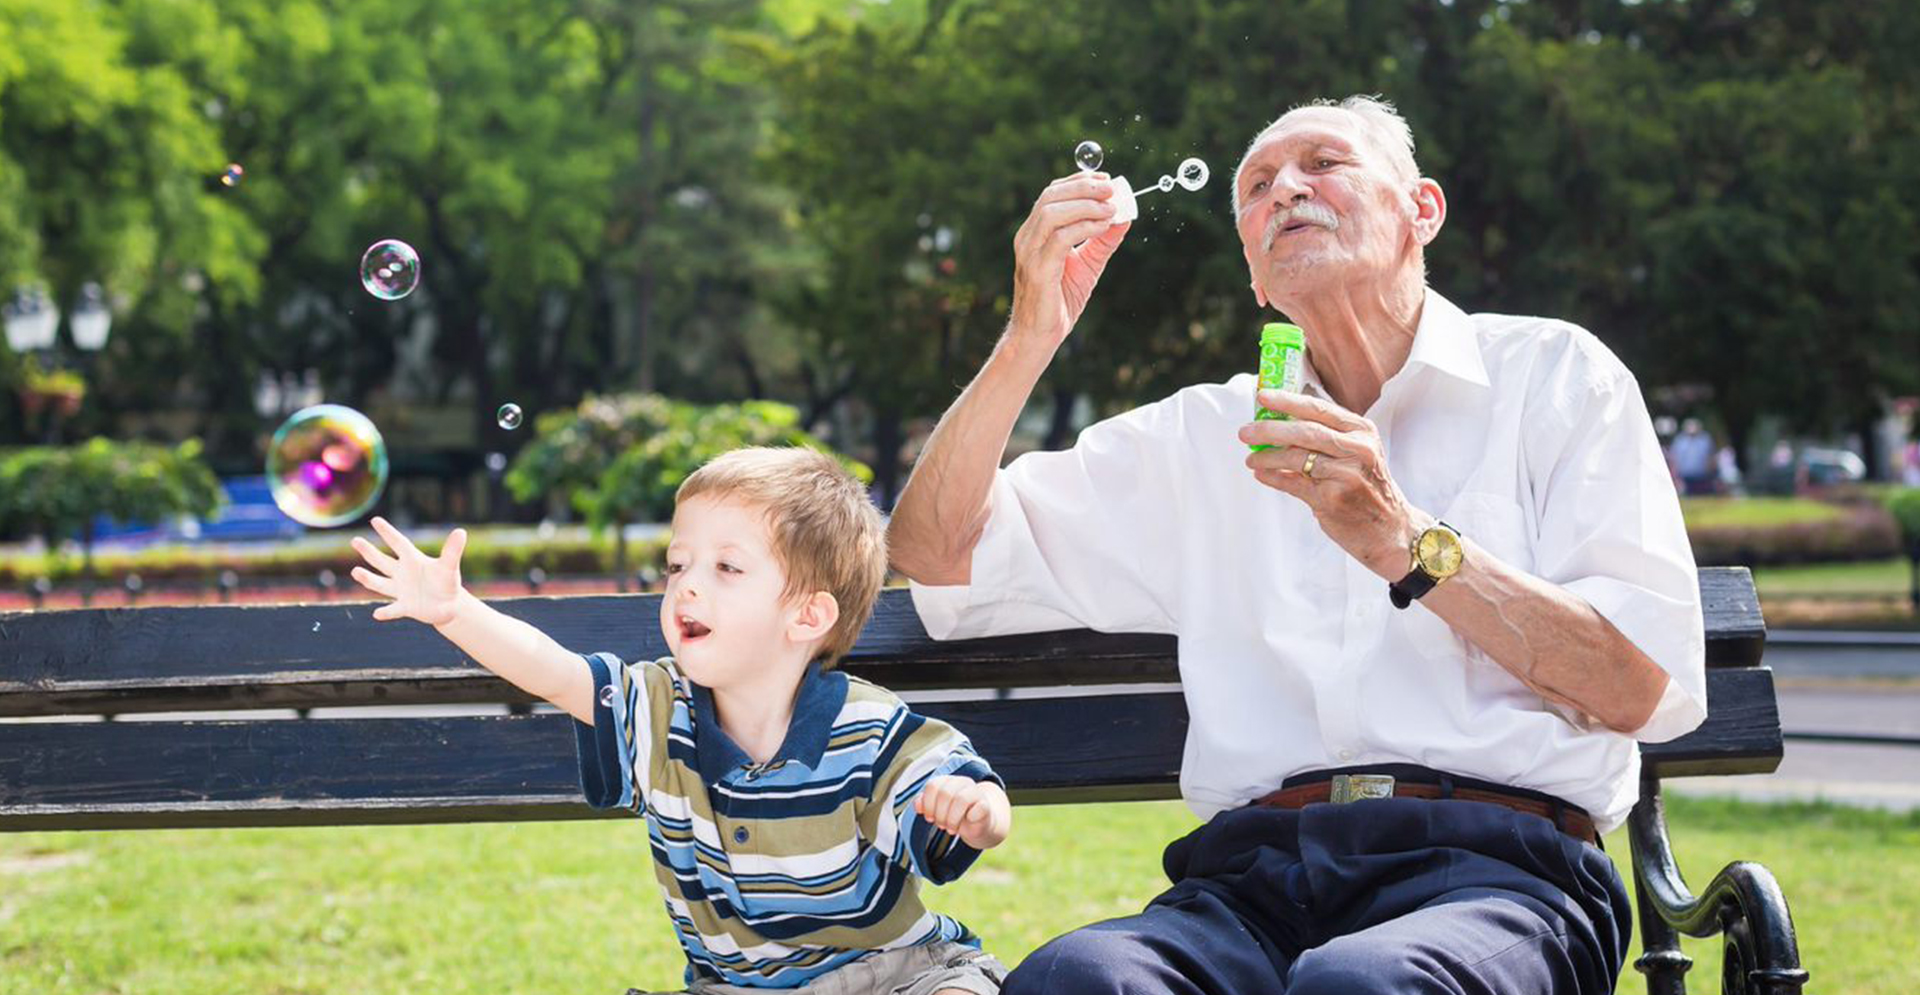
1440	552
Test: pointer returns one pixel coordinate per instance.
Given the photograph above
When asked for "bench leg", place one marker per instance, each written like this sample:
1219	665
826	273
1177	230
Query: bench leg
1743	903
1662	960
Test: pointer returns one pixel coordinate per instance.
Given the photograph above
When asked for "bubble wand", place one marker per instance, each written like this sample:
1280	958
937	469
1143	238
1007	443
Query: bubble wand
1191	174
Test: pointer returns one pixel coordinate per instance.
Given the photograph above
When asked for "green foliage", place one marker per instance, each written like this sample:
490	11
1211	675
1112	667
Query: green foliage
485	559
620	458
1905	506
57	491
812	201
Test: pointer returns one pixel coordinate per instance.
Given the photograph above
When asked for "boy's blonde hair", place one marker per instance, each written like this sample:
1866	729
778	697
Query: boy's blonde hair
826	533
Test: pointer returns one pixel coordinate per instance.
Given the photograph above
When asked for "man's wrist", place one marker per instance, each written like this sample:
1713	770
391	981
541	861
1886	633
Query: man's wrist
1027	348
1396	558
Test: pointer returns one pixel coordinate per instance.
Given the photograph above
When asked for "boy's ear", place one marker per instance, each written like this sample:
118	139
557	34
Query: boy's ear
815	619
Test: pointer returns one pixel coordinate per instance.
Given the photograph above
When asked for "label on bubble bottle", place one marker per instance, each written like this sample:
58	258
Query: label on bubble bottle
1282	367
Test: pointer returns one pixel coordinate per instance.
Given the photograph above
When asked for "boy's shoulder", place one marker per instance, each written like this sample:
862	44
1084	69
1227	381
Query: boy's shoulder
867	692
873	713
658	676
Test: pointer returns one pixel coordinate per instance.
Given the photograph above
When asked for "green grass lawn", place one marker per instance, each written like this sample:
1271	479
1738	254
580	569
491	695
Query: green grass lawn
570	907
1874	578
1701	512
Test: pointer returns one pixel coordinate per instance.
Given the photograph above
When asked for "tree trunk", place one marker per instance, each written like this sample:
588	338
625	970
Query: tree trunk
644	276
887	437
1060	427
643	327
1739	432
1869	442
620	554
86	563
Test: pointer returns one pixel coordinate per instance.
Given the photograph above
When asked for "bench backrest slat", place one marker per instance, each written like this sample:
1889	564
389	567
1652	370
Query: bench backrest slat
253	772
1121	742
125	660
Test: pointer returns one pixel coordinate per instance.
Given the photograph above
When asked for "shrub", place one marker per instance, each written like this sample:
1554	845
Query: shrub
1863	531
1904	505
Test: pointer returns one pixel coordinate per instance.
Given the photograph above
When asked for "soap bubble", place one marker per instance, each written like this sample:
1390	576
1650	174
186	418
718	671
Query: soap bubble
390	269
1088	155
1165	184
1192	174
233	175
509	416
327	465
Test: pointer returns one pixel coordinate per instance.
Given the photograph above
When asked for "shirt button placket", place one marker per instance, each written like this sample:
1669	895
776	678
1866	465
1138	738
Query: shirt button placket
1341	720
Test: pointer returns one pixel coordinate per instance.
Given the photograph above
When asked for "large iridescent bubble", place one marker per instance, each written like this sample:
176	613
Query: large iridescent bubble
390	269
327	465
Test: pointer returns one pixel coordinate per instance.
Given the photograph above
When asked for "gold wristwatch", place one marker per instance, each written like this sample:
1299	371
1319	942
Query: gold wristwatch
1437	555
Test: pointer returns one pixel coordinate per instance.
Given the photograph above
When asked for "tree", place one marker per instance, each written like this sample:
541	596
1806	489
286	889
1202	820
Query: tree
620	459
106	157
58	492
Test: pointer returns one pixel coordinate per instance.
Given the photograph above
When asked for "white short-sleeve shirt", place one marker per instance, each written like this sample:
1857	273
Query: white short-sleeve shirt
1526	434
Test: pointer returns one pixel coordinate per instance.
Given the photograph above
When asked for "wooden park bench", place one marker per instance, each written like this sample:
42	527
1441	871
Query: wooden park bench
1116	734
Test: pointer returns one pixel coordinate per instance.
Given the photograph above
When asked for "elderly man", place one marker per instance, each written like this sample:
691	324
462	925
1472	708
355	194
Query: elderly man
1420	638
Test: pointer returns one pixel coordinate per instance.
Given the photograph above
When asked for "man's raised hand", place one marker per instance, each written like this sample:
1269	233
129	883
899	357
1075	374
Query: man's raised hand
1060	252
425	588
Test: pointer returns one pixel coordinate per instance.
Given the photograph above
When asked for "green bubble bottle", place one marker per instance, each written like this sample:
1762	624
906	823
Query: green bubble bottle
1283	360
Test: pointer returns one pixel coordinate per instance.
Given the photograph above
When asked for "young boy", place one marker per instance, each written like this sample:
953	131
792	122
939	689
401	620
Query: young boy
789	806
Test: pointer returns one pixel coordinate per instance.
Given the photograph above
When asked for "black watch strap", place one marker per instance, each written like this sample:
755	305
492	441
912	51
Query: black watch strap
1416	583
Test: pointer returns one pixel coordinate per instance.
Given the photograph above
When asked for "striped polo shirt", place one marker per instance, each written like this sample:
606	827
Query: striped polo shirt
776	873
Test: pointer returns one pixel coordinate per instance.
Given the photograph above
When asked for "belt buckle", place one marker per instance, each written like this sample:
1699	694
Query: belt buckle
1354	787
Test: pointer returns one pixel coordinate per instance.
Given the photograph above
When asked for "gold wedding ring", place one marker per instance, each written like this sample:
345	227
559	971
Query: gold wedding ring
1306	469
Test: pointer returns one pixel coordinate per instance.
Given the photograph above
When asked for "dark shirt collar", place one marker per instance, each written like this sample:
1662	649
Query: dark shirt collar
815	706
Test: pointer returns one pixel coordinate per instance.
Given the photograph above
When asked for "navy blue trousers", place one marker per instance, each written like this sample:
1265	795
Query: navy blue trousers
1399	895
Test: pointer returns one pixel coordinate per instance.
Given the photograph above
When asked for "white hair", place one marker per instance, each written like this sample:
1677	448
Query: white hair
1380	124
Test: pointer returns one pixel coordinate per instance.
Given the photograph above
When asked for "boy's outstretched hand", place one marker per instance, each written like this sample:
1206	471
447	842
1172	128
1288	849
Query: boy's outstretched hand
422	587
976	811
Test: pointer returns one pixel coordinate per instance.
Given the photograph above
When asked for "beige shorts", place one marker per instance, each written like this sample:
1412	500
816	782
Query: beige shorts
921	970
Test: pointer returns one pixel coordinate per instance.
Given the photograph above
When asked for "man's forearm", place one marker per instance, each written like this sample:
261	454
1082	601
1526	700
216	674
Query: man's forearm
1551	639
521	654
943	509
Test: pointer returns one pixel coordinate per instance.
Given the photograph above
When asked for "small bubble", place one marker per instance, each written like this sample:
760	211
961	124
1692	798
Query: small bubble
1088	155
509	416
316	627
1193	173
233	175
1165	184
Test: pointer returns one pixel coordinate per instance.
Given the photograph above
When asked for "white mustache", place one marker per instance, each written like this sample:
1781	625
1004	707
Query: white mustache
1312	212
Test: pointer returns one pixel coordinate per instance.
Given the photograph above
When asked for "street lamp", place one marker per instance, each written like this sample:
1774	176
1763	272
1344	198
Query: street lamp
32	327
31	321
91	319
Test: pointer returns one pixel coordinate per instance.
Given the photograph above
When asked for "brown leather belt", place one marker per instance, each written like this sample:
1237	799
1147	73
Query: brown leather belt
1359	787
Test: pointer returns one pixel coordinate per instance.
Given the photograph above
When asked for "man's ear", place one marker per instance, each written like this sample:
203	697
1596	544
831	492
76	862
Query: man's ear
815	619
1429	210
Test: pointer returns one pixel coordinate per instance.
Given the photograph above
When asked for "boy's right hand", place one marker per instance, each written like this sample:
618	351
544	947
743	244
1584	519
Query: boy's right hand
422	587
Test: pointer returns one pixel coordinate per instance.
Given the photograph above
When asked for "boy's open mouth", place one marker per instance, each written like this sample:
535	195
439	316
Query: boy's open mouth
691	629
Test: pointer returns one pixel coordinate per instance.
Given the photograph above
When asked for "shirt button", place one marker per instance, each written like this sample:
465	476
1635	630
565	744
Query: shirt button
1346	754
740	835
